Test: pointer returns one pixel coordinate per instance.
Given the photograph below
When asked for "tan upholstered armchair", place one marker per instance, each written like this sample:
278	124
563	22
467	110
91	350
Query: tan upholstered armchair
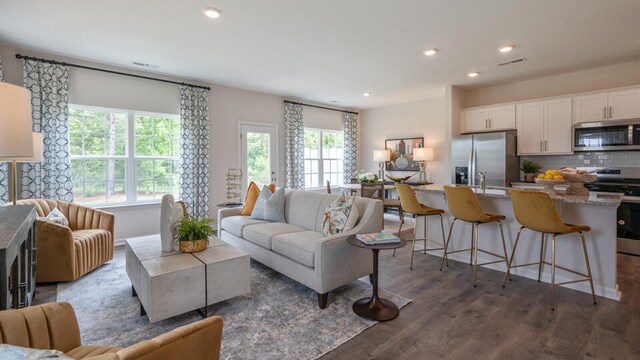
67	253
55	326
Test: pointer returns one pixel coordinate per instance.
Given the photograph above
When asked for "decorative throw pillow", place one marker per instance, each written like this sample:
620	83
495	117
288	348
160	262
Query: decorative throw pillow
55	216
258	209
340	214
10	352
274	207
252	195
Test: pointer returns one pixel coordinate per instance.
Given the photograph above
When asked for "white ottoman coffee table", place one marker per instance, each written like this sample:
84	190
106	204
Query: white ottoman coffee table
170	284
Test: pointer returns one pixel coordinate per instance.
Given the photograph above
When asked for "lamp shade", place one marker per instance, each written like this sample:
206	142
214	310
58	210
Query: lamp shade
38	150
16	139
422	154
381	155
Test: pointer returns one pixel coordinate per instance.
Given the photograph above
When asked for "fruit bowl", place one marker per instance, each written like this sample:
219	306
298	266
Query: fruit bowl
576	183
549	184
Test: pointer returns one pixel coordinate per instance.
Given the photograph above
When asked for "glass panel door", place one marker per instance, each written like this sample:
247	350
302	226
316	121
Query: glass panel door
258	154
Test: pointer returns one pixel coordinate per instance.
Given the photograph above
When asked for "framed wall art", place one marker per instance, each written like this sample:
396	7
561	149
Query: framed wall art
402	153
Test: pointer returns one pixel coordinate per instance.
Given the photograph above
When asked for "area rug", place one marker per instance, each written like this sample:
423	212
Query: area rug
279	319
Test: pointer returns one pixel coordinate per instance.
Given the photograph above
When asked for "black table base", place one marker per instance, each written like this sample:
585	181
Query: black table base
374	307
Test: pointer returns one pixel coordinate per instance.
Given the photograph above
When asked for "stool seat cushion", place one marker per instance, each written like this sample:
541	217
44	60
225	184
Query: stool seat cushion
391	202
426	210
576	228
493	217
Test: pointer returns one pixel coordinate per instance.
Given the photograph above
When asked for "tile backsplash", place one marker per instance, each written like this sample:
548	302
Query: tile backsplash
588	159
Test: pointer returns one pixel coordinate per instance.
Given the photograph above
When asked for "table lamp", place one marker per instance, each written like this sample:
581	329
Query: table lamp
16	134
422	155
381	156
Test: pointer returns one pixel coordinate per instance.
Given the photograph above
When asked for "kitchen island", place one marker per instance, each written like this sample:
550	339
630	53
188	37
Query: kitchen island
598	210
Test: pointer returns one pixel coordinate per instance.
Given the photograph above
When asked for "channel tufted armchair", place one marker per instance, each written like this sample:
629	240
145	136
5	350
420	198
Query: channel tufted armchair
55	326
67	253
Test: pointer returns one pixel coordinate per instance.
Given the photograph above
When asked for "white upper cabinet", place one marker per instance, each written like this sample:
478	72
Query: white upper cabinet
502	117
544	127
624	104
489	119
592	107
603	106
475	120
558	133
530	126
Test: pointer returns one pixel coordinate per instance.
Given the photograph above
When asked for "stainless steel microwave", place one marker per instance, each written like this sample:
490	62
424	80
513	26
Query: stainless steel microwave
607	135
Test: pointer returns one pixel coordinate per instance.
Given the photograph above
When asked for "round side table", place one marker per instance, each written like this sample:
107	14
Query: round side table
375	307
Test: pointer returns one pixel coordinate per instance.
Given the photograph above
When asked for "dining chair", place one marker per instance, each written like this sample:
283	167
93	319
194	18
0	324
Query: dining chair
376	191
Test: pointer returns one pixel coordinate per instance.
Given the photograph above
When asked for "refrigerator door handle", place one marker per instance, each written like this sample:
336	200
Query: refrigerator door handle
470	175
475	165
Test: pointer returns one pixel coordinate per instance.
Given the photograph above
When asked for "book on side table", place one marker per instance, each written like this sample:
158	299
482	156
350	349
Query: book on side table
378	238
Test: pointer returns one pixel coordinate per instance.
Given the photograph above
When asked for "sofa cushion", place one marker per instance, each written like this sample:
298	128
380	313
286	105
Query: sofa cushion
299	247
235	224
340	216
262	234
274	207
258	208
252	195
303	208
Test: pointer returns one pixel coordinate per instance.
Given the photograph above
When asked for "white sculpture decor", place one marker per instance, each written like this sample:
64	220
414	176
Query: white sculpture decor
170	212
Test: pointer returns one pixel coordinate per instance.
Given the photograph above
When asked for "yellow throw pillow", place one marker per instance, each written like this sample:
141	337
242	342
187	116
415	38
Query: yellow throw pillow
252	195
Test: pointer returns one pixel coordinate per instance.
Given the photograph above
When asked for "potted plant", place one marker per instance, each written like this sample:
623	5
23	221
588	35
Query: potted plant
531	169
367	177
193	234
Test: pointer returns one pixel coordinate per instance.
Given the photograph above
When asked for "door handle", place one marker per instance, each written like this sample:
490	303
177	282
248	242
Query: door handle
540	145
604	112
545	145
610	112
486	123
489	123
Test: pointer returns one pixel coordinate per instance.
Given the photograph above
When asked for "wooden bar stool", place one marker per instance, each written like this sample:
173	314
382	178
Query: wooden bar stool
536	211
411	205
464	206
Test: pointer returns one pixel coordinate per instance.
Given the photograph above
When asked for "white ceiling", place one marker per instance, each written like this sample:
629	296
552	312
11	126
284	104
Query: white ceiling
334	50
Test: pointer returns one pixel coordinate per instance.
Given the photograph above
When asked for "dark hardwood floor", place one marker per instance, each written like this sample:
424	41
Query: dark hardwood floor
451	319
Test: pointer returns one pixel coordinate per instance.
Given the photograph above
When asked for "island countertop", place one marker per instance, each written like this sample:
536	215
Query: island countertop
594	198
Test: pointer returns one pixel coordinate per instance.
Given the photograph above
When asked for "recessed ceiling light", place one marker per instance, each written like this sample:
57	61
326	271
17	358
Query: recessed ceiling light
506	49
472	74
212	12
430	52
366	94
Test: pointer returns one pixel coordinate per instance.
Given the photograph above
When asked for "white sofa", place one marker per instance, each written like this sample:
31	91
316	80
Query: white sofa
298	249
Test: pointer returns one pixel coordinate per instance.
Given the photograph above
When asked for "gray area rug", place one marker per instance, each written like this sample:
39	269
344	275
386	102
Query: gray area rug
279	319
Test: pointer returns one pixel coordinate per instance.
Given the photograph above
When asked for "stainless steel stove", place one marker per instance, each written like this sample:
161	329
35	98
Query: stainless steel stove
624	180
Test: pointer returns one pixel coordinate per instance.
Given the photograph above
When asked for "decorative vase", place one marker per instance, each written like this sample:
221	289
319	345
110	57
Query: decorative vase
530	177
193	246
170	212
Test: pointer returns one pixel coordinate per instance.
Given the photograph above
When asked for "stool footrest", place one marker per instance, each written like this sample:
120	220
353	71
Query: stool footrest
490	253
491	262
529	264
423	250
457	251
565	269
572	281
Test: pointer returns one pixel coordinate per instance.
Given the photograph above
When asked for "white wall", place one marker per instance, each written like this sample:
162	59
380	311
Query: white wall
586	80
425	117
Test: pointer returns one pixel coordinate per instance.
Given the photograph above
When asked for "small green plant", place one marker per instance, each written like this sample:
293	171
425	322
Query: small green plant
530	167
192	229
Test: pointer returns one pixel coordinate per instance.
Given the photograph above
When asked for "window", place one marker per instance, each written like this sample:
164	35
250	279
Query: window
323	157
106	171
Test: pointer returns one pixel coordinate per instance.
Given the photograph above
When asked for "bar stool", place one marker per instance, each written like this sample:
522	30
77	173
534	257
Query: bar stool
465	206
411	205
536	211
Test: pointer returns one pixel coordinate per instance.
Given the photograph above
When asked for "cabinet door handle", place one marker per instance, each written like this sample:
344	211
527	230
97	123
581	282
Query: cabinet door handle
604	112
610	112
486	123
545	145
489	123
541	145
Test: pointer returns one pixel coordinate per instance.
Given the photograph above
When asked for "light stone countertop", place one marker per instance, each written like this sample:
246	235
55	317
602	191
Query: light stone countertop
594	198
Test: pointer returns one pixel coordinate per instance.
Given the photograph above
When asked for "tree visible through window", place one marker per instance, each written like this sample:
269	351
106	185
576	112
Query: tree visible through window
323	157
104	169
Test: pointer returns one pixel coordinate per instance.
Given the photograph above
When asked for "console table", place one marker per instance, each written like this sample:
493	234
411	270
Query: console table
17	256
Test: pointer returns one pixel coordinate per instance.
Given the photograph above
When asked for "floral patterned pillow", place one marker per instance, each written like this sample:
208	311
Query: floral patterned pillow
340	216
55	216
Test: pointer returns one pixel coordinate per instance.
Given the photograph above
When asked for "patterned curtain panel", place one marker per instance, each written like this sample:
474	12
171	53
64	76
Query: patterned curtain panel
194	150
293	146
350	146
49	85
4	174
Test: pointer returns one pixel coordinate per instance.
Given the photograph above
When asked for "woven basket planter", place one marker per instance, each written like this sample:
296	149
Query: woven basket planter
193	246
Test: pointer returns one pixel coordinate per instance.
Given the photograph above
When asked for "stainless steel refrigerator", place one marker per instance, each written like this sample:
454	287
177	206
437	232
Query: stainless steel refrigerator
492	153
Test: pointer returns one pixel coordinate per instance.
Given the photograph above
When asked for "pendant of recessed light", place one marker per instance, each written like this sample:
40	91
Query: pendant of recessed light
212	12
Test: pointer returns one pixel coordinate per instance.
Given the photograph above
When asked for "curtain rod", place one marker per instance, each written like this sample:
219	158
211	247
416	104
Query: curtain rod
20	56
320	107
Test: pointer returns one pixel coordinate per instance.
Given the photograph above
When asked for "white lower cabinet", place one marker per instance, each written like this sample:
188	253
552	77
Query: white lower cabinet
544	127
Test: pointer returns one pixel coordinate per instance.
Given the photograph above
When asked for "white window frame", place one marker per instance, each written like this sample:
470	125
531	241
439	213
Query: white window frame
321	159
129	157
